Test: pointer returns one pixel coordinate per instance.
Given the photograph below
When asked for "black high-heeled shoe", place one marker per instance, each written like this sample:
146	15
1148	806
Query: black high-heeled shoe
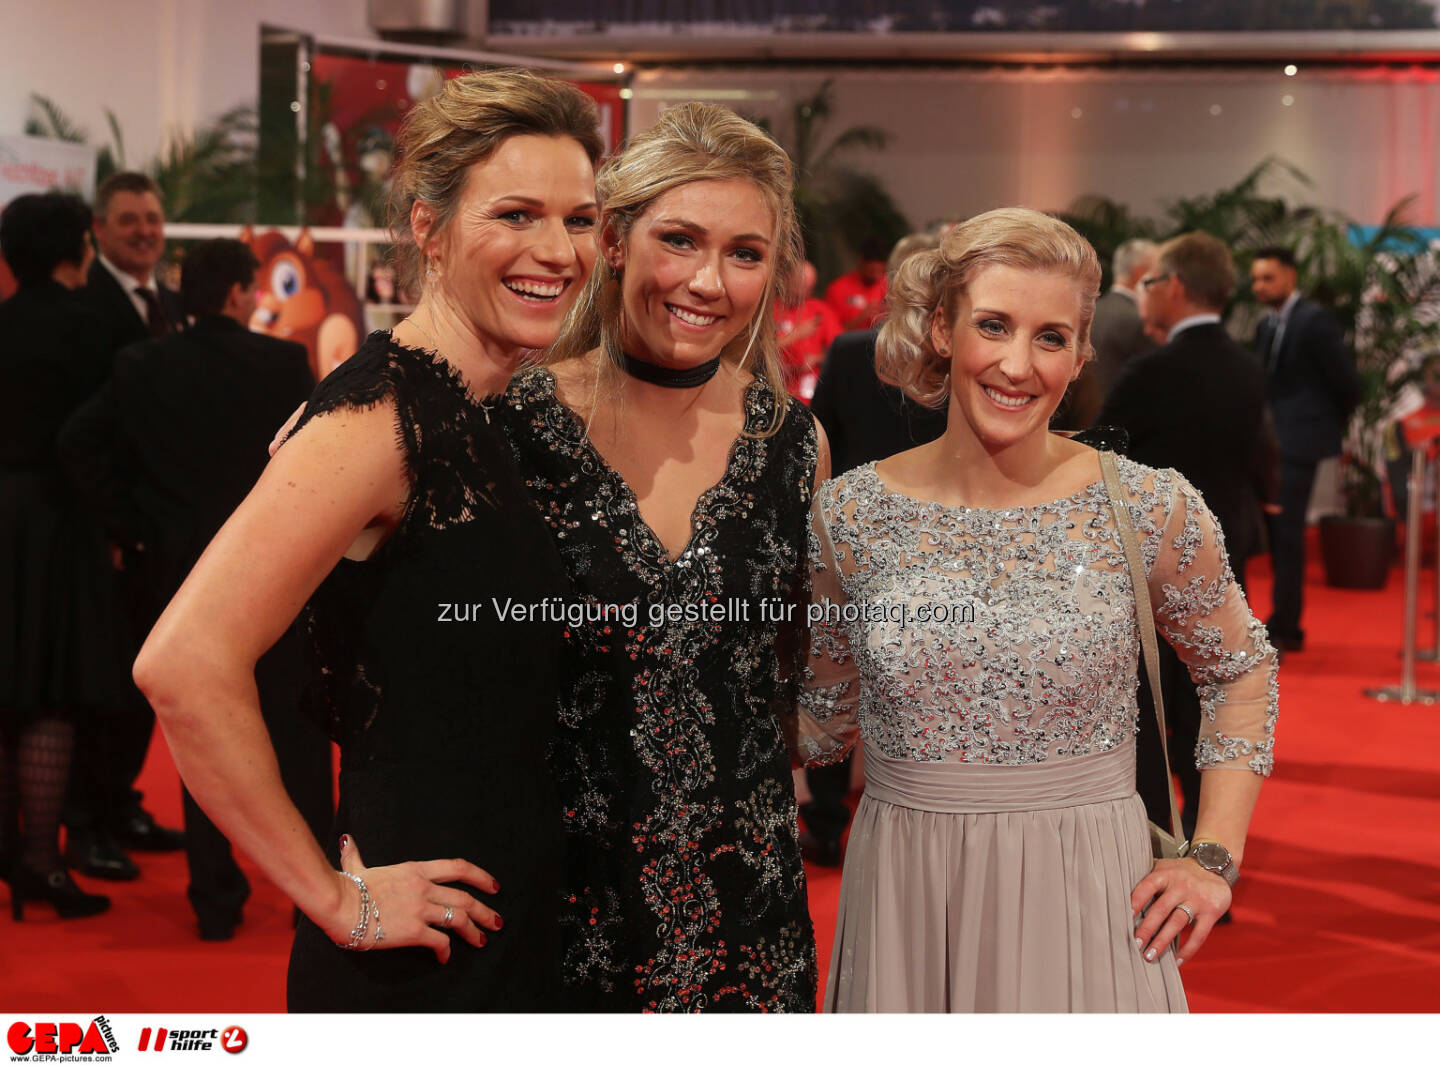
54	887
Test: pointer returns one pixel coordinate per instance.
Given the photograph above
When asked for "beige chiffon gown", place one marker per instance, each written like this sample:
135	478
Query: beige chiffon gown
990	659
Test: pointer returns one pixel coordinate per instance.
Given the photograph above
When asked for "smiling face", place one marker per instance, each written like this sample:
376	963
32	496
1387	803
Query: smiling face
132	232
694	270
521	243
1014	349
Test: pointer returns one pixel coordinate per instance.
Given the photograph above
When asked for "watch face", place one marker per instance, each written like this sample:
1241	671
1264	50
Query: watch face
1211	856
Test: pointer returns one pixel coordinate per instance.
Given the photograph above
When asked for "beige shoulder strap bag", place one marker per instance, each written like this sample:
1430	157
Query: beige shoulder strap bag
1164	844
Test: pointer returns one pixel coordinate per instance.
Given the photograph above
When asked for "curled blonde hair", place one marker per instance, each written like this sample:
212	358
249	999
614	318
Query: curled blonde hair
932	282
691	142
465	123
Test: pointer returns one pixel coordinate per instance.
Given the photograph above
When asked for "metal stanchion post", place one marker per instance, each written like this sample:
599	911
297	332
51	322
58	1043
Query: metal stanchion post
1406	692
1432	654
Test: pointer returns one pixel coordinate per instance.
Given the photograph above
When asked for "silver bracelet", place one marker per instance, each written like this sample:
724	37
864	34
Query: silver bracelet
362	926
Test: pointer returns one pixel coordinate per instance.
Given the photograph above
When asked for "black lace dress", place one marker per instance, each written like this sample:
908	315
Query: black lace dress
443	711
685	890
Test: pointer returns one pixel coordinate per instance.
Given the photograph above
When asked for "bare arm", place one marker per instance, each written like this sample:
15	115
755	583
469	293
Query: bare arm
339	476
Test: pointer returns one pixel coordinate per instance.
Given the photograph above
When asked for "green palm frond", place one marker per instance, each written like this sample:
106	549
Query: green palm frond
866	138
1239	214
838	205
1106	224
210	175
53	122
117	139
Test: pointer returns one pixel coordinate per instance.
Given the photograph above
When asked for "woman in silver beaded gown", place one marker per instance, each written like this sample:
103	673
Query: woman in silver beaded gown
982	629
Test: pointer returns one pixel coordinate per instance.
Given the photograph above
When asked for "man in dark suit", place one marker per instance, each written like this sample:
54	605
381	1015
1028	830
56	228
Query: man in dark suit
103	814
865	421
1312	387
1196	404
167	449
130	236
1117	335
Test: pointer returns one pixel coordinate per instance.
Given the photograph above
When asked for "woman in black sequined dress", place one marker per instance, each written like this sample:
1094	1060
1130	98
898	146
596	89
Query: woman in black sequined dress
676	476
443	709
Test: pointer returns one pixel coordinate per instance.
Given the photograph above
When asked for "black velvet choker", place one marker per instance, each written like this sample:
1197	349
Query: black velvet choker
691	377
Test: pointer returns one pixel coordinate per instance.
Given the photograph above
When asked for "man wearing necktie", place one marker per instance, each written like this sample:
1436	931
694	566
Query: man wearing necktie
1312	387
103	812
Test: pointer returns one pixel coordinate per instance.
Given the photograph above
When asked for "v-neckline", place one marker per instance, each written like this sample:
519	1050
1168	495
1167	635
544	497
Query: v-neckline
702	501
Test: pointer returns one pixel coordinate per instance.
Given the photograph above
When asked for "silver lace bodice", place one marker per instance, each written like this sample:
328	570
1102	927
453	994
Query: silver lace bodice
1009	636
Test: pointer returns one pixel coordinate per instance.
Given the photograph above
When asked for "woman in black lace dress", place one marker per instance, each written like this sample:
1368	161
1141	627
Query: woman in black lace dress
676	475
442	708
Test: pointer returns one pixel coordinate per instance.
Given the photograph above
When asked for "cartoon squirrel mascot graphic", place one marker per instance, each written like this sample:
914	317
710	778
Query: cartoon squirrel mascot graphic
301	298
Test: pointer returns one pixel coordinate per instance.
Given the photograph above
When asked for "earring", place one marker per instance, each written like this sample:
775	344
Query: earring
430	272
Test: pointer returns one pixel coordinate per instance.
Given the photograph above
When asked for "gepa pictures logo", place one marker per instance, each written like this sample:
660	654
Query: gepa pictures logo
45	1039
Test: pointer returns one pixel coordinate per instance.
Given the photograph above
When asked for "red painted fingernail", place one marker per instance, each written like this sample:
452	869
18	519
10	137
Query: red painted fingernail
344	842
494	884
483	940
499	922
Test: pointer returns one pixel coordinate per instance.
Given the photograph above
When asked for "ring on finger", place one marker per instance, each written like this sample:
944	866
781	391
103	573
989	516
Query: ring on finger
1187	911
450	916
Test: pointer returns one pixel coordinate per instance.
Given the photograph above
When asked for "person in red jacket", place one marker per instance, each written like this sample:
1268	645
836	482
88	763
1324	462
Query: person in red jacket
858	298
805	326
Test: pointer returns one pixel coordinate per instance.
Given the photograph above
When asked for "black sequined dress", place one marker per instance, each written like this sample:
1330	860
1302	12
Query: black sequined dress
443	711
685	889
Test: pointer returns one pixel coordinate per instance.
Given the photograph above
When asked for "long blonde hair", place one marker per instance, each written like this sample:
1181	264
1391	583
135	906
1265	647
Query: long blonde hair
691	142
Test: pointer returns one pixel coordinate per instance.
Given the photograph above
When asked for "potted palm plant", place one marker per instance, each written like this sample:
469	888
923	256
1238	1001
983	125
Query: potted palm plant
837	204
1384	289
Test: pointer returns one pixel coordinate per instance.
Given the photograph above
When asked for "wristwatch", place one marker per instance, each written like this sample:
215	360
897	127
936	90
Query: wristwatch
1216	859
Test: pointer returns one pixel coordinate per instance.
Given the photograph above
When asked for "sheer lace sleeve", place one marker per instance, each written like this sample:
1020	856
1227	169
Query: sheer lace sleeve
1201	610
829	689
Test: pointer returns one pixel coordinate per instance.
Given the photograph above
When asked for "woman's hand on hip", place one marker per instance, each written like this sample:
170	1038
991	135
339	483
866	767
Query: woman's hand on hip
414	905
1178	893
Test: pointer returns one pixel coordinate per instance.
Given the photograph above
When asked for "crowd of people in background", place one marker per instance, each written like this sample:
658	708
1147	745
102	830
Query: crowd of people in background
137	417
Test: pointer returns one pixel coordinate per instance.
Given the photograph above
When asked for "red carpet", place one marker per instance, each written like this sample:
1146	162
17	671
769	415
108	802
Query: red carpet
1339	908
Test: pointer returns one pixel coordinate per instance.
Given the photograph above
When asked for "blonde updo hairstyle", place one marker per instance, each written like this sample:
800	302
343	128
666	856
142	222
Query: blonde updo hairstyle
464	124
690	142
932	282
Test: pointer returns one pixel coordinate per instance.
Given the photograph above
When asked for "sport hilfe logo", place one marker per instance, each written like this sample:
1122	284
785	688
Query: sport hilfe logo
232	1039
64	1037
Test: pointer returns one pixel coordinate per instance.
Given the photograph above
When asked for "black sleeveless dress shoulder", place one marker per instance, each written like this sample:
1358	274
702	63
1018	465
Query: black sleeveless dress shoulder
684	888
442	702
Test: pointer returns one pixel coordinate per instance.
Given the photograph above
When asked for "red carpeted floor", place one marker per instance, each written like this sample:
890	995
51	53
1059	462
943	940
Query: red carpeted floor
1339	908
